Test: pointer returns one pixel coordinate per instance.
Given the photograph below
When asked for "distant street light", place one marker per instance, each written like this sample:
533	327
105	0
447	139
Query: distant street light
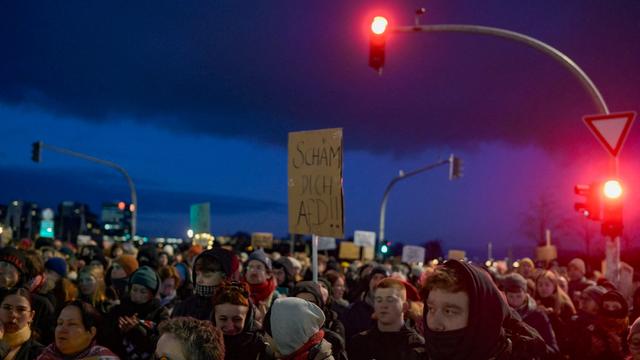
39	145
452	161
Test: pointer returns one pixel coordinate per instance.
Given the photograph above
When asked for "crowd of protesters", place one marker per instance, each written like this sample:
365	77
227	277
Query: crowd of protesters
58	301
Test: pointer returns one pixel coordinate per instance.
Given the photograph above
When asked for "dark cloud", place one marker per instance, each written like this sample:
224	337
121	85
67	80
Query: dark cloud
45	186
260	70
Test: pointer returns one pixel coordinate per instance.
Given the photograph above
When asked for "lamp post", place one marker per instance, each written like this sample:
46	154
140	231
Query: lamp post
454	173
132	187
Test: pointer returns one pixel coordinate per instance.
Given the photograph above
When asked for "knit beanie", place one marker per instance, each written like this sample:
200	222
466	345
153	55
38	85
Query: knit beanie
293	321
615	296
146	277
514	283
308	287
15	258
57	265
261	256
527	261
596	293
579	263
128	262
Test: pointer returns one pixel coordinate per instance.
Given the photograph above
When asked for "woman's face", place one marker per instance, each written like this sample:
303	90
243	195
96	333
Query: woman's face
15	313
230	318
87	284
71	337
280	275
117	272
140	294
338	289
168	287
545	287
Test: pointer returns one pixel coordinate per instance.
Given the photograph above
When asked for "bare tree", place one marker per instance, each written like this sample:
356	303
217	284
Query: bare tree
544	213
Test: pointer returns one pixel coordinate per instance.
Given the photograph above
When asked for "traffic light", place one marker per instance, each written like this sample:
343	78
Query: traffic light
384	249
455	167
377	42
36	149
612	209
591	207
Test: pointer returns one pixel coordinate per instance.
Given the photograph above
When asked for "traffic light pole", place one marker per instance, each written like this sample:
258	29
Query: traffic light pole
613	242
385	198
132	187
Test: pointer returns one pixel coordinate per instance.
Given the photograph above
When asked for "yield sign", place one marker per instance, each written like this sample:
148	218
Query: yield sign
611	130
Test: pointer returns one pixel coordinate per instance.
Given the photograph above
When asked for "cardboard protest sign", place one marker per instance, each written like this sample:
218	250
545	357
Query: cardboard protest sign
364	238
546	253
368	253
349	251
456	255
262	240
316	201
412	254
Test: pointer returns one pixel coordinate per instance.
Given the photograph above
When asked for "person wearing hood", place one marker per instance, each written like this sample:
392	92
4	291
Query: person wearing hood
148	256
515	290
390	338
467	318
259	276
359	316
210	269
333	329
295	325
614	317
133	324
233	314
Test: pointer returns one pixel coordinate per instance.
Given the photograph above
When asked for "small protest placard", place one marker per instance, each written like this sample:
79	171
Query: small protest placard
262	240
349	251
364	238
326	243
412	254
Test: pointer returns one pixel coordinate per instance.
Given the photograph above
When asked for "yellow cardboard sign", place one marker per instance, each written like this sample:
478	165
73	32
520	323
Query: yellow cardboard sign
262	240
368	253
546	253
456	255
316	201
349	251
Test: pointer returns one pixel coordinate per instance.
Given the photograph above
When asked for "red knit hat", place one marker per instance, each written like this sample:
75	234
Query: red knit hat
128	263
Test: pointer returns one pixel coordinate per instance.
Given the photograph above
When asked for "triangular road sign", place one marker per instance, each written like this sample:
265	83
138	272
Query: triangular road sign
611	130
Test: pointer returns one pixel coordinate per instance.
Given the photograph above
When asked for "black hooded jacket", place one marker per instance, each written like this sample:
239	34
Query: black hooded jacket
249	344
493	331
201	307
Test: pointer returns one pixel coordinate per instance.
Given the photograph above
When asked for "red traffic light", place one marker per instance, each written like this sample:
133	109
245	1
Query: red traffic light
612	189
591	206
379	25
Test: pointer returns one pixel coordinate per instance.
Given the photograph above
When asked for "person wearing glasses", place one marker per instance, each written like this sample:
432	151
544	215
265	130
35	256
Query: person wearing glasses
186	338
233	314
16	337
262	283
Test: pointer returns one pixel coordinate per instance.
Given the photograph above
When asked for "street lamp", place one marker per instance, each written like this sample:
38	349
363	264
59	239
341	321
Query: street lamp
452	161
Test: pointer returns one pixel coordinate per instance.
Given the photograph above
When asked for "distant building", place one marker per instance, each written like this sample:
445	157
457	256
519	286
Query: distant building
23	218
75	219
116	220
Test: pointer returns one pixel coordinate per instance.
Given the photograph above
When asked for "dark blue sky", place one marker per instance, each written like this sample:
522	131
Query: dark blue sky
195	100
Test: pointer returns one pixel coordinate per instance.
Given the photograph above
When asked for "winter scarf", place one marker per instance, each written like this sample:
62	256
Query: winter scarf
204	291
303	352
51	352
261	292
17	338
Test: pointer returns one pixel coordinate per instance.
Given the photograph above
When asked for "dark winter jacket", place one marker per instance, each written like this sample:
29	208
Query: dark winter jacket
195	306
28	351
358	318
139	342
538	320
405	344
493	330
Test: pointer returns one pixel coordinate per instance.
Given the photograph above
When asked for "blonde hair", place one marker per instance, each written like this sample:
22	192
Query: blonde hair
559	296
97	273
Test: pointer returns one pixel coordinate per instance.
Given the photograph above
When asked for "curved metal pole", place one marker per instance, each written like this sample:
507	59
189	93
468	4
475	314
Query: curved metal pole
527	40
385	198
132	187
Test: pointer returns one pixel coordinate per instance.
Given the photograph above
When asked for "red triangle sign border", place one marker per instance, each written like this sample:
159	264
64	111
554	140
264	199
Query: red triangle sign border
614	151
